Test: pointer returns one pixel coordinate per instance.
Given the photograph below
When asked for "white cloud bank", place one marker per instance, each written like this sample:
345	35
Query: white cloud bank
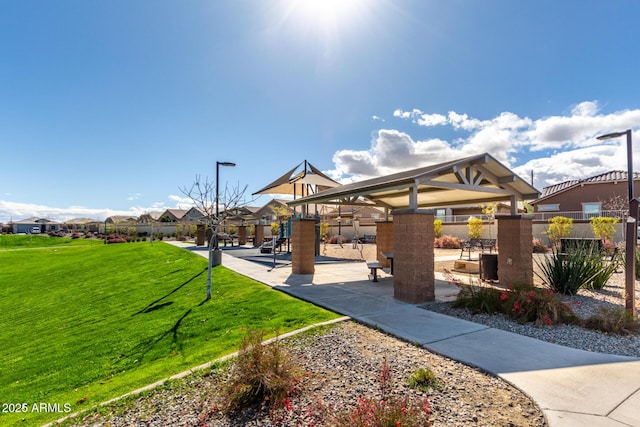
556	148
13	211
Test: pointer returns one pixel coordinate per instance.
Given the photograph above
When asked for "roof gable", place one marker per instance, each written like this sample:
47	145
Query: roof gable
471	180
603	178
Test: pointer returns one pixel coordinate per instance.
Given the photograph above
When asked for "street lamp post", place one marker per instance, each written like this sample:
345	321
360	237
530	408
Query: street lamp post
631	226
218	164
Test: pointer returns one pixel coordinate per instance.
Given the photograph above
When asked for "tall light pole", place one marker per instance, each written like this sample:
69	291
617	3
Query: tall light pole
631	226
218	164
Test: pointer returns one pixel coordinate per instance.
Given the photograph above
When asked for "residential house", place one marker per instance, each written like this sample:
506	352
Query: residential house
35	225
601	195
83	224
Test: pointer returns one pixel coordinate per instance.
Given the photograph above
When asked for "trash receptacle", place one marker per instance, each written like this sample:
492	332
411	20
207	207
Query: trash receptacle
216	257
488	267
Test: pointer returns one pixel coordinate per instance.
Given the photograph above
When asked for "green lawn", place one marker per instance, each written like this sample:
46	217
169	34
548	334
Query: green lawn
82	323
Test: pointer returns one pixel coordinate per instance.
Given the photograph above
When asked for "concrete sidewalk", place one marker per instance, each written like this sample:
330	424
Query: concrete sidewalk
574	388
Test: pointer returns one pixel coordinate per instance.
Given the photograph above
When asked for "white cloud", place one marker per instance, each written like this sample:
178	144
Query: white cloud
14	211
565	145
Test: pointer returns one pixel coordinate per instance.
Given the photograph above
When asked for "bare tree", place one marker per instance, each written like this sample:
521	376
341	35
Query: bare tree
203	195
616	203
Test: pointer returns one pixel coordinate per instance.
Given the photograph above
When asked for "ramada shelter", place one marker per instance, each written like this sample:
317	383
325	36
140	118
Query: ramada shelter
411	196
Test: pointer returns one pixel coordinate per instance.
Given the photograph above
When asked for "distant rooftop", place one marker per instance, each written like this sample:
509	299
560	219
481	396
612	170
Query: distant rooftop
612	176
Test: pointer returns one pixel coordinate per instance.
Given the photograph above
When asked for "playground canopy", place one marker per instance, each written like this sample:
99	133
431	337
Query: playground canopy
477	179
308	180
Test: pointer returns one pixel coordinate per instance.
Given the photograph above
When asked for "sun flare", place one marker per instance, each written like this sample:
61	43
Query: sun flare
326	15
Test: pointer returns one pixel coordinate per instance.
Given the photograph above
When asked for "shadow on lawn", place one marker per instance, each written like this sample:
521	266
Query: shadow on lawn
153	306
145	347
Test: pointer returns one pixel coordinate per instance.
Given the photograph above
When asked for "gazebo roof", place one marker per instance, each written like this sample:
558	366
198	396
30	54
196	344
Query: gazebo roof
293	182
472	180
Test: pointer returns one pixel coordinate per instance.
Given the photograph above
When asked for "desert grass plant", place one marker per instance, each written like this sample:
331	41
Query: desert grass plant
425	380
615	320
261	374
479	299
389	411
566	273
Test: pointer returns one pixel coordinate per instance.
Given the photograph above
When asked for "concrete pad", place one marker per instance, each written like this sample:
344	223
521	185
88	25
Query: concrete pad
501	352
580	388
316	292
571	419
420	326
359	305
629	411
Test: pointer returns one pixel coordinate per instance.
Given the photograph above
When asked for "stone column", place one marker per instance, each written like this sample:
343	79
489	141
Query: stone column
384	241
259	236
413	278
515	250
200	237
242	235
303	235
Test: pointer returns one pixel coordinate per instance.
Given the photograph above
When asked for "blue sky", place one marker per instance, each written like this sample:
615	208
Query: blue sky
109	107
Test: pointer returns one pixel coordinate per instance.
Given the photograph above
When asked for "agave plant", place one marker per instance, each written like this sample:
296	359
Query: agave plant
581	266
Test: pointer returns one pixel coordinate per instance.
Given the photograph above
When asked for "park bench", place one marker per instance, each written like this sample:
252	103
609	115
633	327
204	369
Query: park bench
268	246
476	245
368	238
374	266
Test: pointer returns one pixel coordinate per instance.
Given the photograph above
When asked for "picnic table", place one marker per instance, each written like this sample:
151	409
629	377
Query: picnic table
389	256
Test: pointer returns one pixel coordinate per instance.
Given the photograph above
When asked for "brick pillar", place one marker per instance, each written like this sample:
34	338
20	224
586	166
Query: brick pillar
258	238
515	249
242	234
413	278
303	236
384	241
200	237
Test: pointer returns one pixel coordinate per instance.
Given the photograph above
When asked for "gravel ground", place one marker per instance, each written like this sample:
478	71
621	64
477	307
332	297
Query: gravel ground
341	365
585	304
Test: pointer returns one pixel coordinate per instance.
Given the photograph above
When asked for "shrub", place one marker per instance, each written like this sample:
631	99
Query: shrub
559	227
568	272
475	226
604	270
447	242
424	380
115	238
540	306
437	228
604	227
260	374
539	247
614	320
521	303
390	411
324	230
275	228
479	299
